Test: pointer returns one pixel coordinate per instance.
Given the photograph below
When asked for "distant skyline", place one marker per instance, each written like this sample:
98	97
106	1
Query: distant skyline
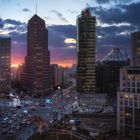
116	19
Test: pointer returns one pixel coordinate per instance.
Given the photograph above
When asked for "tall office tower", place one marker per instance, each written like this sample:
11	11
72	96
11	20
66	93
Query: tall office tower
5	65
128	102
135	49
37	72
86	52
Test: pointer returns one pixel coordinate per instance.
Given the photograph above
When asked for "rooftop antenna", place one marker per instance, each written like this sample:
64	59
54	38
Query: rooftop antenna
36	9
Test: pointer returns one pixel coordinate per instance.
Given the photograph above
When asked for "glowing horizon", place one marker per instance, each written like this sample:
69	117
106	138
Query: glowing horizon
16	63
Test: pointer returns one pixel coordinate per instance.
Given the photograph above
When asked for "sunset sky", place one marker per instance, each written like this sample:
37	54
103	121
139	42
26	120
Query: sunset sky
116	19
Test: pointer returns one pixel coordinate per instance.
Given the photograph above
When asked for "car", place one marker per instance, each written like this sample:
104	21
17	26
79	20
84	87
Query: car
18	127
5	119
51	121
11	132
29	122
10	121
14	115
49	107
25	112
12	126
36	104
23	123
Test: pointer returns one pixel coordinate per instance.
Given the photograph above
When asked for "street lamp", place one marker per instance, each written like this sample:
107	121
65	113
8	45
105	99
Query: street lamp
59	87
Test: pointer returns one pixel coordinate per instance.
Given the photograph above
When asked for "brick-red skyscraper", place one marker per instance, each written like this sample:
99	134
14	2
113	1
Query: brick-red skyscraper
36	78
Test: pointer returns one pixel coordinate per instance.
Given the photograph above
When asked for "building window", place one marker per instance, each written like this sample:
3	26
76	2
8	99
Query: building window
135	104
130	103
128	89
133	84
138	90
126	102
128	84
133	89
138	84
135	97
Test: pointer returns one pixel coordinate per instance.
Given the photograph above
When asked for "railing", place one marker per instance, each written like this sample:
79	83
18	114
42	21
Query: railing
75	134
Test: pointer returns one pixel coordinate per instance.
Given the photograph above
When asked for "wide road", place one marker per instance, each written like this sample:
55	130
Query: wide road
61	101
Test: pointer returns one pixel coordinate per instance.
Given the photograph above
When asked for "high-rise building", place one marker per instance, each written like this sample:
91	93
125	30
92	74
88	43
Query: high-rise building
86	52
55	76
135	49
108	72
5	65
128	96
37	72
60	75
128	102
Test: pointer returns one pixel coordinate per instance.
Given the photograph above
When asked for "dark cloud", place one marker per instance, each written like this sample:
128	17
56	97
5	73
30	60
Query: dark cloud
102	1
1	23
26	10
13	22
121	20
65	30
114	30
12	25
59	15
116	1
119	14
113	37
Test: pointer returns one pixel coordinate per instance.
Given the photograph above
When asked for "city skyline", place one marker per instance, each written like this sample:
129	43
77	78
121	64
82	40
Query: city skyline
115	21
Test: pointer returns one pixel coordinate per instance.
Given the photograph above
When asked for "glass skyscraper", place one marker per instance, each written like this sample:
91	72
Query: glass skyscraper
86	52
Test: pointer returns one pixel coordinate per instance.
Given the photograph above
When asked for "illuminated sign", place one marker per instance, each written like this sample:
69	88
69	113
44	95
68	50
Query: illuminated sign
48	101
86	12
